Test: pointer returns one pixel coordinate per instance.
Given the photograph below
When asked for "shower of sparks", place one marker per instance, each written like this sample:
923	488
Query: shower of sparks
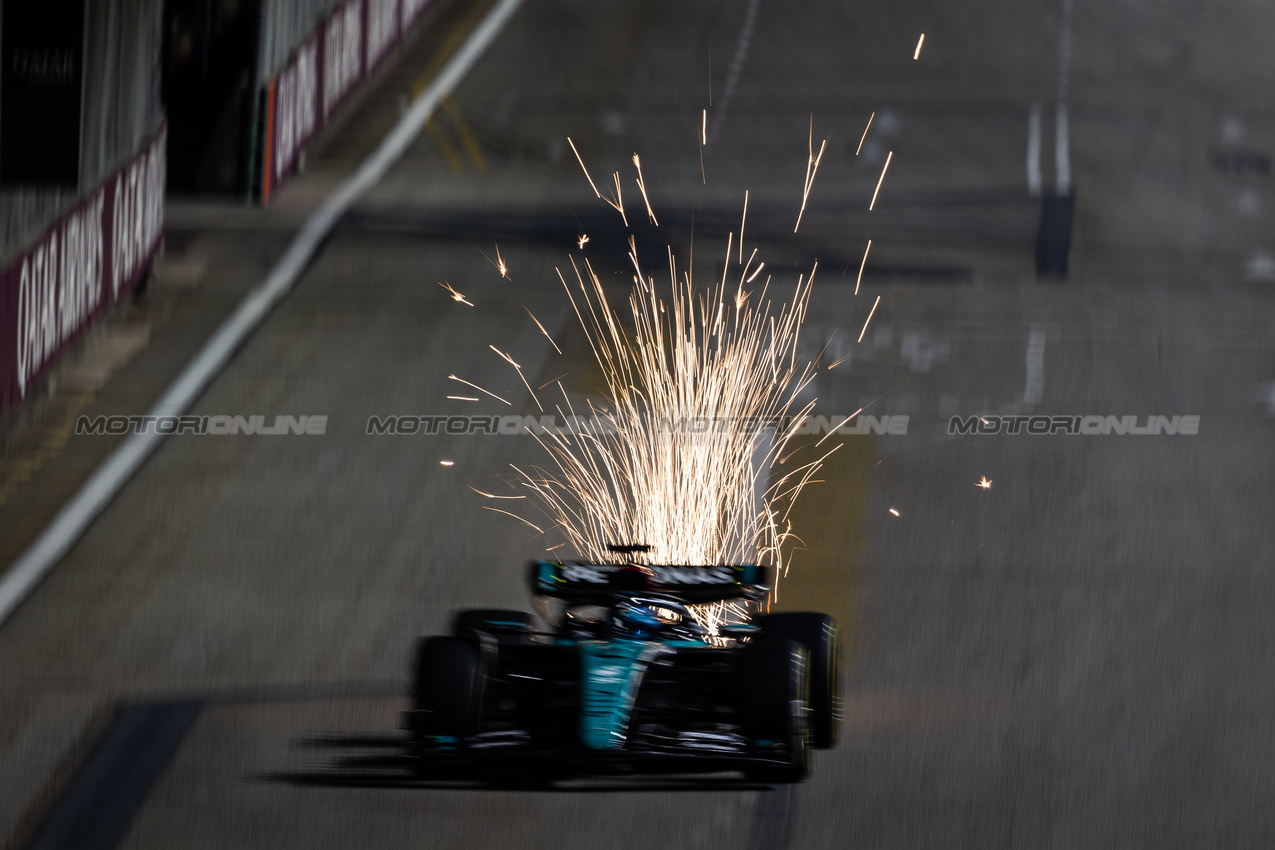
880	180
680	354
542	327
445	463
462	398
870	314
637	163
456	296
480	389
919	42
862	265
838	362
583	240
861	138
675	357
812	166
984	482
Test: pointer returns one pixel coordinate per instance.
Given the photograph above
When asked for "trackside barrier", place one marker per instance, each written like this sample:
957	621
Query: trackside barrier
85	262
330	64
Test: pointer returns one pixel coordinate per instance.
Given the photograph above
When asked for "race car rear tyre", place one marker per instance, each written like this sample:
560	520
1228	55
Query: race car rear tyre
448	687
818	634
505	626
776	695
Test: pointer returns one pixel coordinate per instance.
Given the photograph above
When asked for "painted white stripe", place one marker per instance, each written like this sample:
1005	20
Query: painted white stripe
1062	143
1062	152
108	479
1035	388
736	66
1033	151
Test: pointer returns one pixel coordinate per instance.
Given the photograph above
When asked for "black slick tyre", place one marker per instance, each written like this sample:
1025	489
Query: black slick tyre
775	695
448	684
818	634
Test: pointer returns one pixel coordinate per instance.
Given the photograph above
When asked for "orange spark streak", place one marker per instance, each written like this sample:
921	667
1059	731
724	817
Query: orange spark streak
870	314
480	389
861	267
865	134
642	186
456	296
542	327
880	180
582	168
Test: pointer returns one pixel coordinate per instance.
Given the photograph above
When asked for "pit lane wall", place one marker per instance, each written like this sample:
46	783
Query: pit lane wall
83	263
333	61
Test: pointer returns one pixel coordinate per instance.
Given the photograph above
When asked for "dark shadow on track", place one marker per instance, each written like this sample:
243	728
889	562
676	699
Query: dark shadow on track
391	766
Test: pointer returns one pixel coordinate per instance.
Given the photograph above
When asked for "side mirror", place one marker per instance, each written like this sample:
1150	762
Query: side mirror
739	631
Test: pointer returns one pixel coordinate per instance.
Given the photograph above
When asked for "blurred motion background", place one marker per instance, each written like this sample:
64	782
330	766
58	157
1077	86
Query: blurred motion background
1076	220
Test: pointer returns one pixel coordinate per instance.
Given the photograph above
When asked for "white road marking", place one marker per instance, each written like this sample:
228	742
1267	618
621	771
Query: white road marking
1062	150
109	478
1033	151
1035	387
736	67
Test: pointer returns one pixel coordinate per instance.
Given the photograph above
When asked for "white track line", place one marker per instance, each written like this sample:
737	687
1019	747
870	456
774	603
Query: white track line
1033	151
736	67
109	478
1035	388
1062	139
1062	151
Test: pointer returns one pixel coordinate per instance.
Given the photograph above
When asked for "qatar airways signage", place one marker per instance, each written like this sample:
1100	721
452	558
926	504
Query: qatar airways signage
86	261
326	68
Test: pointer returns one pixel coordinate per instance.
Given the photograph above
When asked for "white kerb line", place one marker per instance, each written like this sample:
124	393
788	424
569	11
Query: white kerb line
1062	139
1033	151
109	478
736	66
1035	388
1063	151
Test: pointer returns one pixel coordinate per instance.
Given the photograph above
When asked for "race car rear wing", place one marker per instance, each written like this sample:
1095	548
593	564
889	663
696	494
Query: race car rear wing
715	583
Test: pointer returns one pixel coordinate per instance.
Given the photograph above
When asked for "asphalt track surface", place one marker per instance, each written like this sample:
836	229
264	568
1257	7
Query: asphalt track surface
1079	656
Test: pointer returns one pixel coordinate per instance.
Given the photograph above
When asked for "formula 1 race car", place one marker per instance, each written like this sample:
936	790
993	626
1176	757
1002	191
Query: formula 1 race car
627	680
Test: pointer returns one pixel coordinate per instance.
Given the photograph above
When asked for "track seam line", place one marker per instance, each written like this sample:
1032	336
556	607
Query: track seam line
39	559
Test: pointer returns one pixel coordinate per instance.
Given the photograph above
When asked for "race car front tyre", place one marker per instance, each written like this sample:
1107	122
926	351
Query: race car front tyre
776	696
505	626
448	687
818	634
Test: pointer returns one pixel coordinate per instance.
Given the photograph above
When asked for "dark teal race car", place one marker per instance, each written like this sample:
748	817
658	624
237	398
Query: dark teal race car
626	680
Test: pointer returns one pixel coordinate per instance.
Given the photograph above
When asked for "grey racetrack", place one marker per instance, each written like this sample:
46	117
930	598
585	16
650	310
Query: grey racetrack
1080	656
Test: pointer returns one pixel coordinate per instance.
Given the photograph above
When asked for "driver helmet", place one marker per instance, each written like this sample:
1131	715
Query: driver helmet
637	619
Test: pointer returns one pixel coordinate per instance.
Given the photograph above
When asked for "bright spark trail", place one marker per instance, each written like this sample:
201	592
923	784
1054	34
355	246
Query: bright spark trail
701	384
